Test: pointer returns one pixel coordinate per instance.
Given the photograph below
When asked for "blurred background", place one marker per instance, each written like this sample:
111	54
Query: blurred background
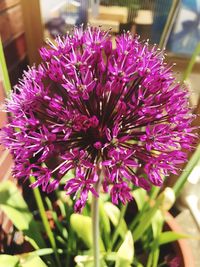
175	25
24	25
147	18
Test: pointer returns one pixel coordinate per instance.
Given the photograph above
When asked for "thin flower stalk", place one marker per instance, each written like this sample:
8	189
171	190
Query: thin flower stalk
46	224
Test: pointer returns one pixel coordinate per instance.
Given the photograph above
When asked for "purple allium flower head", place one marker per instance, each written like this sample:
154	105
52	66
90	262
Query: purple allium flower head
89	107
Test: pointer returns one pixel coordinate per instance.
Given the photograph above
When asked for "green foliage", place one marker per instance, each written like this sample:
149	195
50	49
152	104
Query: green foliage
3	68
157	225
73	232
113	214
188	169
45	221
192	61
9	261
140	196
148	229
15	207
169	236
125	254
30	259
82	225
146	219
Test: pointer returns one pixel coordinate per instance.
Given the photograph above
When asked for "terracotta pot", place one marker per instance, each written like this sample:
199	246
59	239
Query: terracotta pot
181	246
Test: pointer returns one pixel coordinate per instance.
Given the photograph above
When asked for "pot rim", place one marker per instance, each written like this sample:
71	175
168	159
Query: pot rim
183	249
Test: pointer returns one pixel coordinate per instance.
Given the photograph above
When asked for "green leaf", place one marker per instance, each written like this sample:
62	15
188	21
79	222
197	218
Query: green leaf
19	219
6	80
140	196
43	251
31	260
46	224
138	264
87	260
192	61
82	225
146	218
171	236
125	253
111	256
84	260
59	225
185	174
113	214
9	261
15	207
157	225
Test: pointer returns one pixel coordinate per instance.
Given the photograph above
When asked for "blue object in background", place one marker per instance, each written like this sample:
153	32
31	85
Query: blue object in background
191	4
186	32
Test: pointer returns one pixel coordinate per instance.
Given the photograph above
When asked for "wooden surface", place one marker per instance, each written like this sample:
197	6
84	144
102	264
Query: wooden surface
105	24
144	17
33	29
112	13
11	24
13	37
5	4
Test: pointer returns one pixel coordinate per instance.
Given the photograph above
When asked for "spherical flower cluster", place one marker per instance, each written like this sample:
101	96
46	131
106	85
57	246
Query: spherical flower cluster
98	109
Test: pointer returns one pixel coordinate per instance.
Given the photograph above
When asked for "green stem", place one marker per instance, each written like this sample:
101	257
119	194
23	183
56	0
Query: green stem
95	221
185	174
45	221
153	195
116	233
6	80
191	63
95	230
